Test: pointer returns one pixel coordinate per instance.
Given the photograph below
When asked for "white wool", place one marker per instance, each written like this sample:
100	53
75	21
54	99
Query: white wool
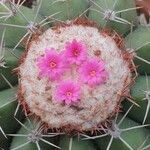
97	107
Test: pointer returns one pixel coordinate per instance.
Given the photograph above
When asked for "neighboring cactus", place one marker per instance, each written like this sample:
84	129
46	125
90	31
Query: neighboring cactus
64	9
31	137
8	123
75	143
11	59
128	135
141	95
101	73
139	42
114	14
124	134
21	22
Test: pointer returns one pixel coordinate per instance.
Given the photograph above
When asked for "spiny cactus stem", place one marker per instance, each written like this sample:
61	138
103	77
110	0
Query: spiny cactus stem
111	14
145	148
22	145
94	137
20	12
13	54
2	61
38	9
97	5
13	100
48	22
56	1
147	98
141	147
122	119
1	130
109	144
70	143
85	11
20	3
32	27
12	10
34	135
38	146
138	57
51	144
22	125
115	131
142	46
60	133
6	80
6	15
124	10
142	59
16	111
135	127
49	17
58	20
13	25
21	40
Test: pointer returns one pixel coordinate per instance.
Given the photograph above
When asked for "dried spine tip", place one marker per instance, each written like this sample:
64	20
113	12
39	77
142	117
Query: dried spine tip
92	84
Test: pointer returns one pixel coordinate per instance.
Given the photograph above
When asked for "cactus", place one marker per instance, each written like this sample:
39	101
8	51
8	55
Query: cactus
75	143
20	22
128	136
121	134
7	78
64	9
139	41
114	14
8	122
140	93
74	77
33	137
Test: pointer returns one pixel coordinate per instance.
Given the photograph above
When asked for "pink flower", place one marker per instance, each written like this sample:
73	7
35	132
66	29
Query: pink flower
93	72
76	52
51	65
68	92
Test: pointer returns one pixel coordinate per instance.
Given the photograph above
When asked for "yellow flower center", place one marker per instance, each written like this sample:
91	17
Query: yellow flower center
69	93
52	64
92	73
76	52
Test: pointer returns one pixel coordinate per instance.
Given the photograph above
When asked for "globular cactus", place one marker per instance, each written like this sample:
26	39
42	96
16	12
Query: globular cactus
126	135
8	123
114	14
63	9
74	143
139	41
67	70
141	94
32	136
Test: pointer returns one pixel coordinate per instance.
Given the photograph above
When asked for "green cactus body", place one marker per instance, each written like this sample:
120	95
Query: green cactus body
11	59
17	25
104	13
139	40
66	9
138	92
84	102
8	123
134	138
28	129
75	144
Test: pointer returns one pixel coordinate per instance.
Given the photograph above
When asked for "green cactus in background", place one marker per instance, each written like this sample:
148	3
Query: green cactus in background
21	27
